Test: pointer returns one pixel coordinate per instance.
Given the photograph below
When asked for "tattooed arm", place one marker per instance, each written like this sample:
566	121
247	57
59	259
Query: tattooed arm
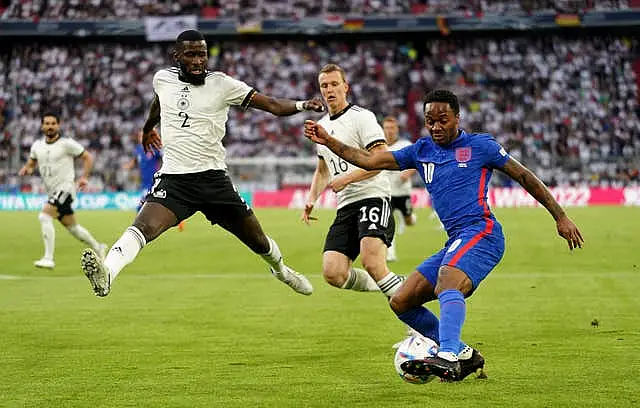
377	159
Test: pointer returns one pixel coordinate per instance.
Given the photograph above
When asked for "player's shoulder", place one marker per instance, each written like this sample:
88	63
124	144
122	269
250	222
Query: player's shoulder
37	144
423	145
167	73
218	77
356	110
71	142
68	139
481	137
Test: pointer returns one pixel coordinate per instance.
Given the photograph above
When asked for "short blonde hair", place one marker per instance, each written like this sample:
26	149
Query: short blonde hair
390	119
333	68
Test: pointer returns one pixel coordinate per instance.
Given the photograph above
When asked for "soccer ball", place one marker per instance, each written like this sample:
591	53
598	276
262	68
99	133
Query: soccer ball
414	347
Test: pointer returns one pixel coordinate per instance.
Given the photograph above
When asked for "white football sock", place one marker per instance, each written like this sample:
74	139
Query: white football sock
124	251
359	280
274	257
48	234
390	284
400	223
83	235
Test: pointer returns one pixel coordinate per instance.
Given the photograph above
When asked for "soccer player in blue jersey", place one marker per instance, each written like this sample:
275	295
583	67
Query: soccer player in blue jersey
148	163
456	167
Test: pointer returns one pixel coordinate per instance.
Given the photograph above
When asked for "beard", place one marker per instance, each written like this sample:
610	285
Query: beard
188	77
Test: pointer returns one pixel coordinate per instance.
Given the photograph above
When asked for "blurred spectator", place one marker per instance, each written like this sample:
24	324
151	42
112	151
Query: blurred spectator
265	9
565	107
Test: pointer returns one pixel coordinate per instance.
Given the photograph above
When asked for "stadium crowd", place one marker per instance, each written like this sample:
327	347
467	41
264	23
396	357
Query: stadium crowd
265	9
566	107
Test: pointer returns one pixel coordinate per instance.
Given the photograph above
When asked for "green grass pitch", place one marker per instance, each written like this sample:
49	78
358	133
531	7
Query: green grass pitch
198	321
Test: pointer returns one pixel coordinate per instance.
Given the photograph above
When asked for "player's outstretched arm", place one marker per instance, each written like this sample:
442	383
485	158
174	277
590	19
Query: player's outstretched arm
534	186
372	160
284	107
150	138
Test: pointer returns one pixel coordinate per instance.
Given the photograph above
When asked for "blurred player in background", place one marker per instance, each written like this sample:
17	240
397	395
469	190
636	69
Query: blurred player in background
456	167
363	225
191	104
54	156
148	163
400	185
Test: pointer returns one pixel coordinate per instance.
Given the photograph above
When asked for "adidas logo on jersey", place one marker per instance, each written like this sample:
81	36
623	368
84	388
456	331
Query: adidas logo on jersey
372	227
185	89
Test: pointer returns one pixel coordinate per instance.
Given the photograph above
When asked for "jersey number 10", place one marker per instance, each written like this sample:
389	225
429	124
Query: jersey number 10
428	168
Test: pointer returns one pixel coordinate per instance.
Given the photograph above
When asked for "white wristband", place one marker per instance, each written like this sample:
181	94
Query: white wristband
300	106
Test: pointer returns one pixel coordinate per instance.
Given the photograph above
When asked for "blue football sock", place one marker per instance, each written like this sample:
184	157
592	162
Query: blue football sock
423	321
452	314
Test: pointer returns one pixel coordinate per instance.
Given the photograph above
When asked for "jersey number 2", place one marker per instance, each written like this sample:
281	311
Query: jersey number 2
186	118
428	168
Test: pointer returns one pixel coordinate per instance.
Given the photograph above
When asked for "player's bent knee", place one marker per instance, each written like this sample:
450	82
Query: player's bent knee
334	276
44	217
450	277
398	304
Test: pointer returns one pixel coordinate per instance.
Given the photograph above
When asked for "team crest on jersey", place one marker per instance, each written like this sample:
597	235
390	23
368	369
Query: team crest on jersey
463	154
183	103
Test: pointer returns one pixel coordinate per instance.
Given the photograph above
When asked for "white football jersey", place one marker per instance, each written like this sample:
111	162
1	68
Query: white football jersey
55	163
399	188
356	127
193	119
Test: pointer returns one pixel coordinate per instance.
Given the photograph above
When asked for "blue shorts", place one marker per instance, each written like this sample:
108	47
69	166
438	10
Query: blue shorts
475	250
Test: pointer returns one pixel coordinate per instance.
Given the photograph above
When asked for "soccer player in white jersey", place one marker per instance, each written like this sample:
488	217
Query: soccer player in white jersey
54	156
191	105
400	184
363	225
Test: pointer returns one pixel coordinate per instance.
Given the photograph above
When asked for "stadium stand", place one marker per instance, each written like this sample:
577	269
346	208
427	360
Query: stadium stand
566	106
123	9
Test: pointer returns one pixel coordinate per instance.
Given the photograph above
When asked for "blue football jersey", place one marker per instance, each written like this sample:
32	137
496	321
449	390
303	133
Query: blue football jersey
456	176
149	163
